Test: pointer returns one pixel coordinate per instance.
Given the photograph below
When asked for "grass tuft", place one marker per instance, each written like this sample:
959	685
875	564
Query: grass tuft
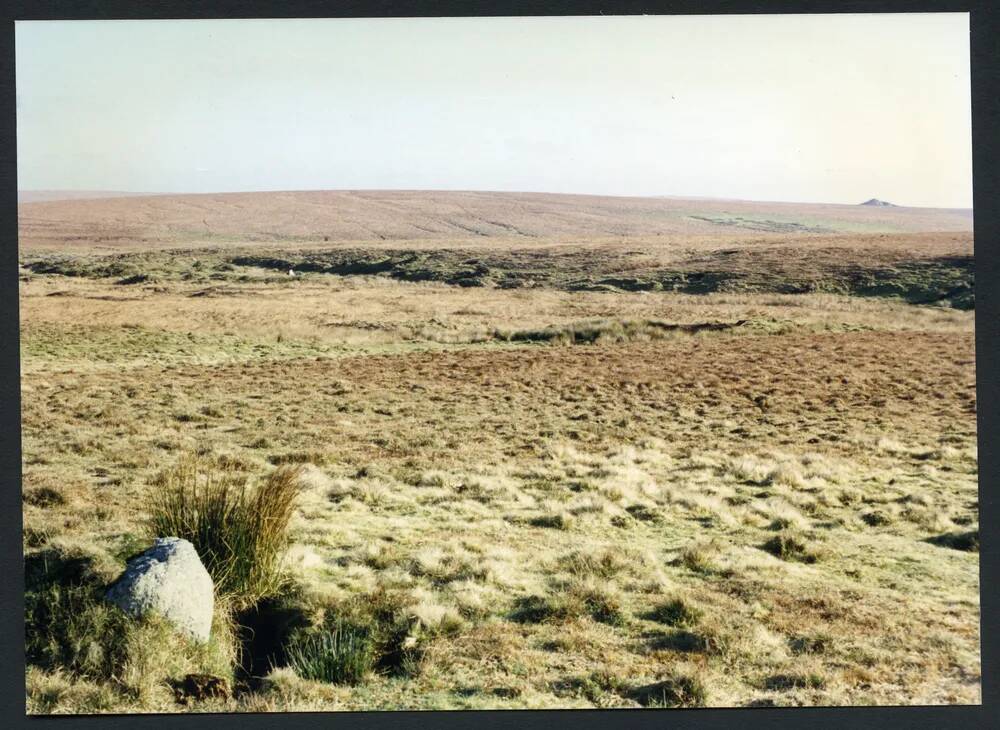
578	599
964	541
876	518
678	690
239	534
556	520
819	644
344	654
605	563
69	626
783	682
789	547
676	612
700	557
44	497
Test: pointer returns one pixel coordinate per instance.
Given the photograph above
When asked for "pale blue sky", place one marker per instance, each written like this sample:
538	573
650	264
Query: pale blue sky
800	108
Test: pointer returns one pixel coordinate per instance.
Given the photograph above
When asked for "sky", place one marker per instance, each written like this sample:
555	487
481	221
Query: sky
809	108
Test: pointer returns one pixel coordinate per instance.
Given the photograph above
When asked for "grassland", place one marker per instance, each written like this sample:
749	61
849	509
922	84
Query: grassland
699	465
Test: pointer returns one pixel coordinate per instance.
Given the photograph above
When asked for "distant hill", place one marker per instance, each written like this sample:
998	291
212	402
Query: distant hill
38	196
879	203
358	216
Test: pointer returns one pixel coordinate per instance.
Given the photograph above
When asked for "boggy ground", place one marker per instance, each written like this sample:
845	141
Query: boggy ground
782	511
920	268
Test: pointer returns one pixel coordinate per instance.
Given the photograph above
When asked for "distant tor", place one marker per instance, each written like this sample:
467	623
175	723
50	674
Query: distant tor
879	203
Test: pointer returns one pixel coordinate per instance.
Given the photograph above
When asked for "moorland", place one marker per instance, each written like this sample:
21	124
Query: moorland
551	450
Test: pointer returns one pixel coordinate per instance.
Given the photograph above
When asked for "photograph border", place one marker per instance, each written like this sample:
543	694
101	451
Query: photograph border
985	59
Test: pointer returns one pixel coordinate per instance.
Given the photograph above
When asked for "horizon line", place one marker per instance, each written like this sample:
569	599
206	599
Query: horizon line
144	193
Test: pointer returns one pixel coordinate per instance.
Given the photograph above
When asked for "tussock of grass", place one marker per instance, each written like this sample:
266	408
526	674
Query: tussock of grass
747	468
677	690
239	533
338	641
70	627
576	600
603	563
876	518
297	457
601	604
782	523
783	682
964	541
819	644
68	564
789	547
676	612
390	618
556	520
686	641
644	513
446	565
601	688
534	609
33	537
344	654
43	497
700	557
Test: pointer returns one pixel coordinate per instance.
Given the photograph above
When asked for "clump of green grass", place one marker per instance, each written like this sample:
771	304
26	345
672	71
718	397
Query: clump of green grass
66	624
372	632
344	654
790	547
676	612
239	533
782	682
71	628
677	690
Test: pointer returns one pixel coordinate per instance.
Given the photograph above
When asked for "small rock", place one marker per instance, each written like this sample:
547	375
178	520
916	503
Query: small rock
169	580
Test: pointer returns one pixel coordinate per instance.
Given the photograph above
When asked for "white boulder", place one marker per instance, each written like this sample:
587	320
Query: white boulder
169	580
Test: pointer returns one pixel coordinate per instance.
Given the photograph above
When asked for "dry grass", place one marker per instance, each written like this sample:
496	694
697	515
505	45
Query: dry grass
240	535
541	525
